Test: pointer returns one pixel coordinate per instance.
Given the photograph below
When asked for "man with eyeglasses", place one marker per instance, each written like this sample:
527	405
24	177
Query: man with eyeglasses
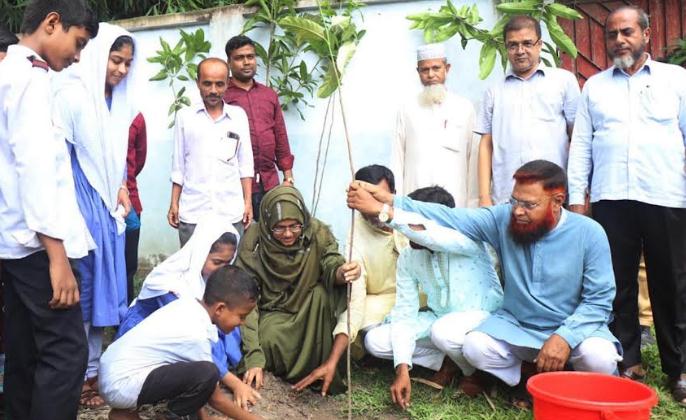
629	140
557	276
212	163
434	142
526	116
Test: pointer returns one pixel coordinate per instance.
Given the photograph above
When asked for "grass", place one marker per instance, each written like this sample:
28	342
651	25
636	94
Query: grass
371	397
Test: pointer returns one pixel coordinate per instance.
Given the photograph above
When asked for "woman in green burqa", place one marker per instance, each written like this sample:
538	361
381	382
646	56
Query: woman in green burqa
302	276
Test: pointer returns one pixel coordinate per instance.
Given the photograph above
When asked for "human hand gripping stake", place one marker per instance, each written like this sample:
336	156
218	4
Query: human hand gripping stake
367	198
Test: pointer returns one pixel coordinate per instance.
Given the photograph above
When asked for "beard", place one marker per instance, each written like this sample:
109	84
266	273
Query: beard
528	233
626	62
433	94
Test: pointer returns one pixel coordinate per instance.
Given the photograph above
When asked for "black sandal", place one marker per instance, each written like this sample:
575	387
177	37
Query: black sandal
677	387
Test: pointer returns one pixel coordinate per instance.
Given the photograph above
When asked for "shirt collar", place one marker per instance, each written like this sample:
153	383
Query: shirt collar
540	69
255	84
646	65
199	107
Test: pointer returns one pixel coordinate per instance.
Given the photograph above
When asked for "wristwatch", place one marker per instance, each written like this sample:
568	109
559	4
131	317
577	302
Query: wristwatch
384	216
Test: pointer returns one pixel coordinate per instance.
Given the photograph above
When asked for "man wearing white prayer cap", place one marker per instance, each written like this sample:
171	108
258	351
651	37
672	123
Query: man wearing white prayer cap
434	143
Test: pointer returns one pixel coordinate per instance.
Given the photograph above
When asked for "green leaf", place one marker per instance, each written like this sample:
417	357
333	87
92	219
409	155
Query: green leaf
486	60
305	29
329	84
563	11
345	54
159	76
558	35
182	78
303	70
520	7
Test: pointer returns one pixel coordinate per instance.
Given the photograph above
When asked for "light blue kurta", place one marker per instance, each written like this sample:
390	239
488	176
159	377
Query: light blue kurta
457	276
562	283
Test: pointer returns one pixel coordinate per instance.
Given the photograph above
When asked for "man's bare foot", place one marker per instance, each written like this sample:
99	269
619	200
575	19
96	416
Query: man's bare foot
446	373
90	398
118	414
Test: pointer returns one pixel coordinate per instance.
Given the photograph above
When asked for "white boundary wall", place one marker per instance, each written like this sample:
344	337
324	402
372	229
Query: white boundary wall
380	75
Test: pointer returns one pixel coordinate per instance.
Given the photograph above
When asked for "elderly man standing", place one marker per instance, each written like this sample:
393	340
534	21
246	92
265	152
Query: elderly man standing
433	135
267	127
629	139
557	274
526	116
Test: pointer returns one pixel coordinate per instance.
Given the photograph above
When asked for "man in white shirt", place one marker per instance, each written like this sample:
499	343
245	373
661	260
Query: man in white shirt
41	227
629	140
433	135
212	164
168	356
526	116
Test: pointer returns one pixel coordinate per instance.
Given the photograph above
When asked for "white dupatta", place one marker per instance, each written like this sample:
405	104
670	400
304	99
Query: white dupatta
181	273
100	135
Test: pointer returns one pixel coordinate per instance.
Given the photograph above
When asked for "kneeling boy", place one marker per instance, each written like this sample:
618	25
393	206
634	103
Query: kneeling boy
168	356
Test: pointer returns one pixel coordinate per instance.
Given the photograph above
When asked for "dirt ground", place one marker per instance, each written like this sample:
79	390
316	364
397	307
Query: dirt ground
278	402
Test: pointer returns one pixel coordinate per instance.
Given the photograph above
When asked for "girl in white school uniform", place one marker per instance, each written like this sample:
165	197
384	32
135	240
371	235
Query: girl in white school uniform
94	107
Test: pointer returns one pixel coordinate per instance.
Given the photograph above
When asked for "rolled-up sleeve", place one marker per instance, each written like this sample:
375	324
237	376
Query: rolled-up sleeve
484	122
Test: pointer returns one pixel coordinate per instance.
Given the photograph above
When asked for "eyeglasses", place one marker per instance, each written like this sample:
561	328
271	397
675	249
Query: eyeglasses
526	45
297	228
526	205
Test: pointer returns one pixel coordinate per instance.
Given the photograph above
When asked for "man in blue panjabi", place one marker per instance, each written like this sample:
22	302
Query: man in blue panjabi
557	272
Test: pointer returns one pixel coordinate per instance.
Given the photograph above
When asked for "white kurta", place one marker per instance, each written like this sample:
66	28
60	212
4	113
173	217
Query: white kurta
435	145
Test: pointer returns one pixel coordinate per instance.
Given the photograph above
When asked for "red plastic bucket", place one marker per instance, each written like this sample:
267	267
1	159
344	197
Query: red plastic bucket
589	396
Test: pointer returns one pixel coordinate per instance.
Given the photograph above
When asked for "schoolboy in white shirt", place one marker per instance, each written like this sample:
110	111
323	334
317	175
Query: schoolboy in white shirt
41	227
168	356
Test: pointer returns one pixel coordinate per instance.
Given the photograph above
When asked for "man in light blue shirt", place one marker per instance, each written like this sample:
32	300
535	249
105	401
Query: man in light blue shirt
527	115
629	142
462	289
557	275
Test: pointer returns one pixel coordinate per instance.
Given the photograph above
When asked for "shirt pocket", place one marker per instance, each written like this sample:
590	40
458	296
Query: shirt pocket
226	148
659	104
546	104
453	137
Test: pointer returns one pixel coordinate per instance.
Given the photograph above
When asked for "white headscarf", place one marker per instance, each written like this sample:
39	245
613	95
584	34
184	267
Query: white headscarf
101	135
181	273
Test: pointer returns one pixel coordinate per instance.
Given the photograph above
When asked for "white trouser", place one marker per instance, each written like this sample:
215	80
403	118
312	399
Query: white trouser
378	344
449	331
504	360
94	336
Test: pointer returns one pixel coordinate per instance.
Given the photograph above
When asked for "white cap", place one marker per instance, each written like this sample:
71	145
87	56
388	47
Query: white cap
430	52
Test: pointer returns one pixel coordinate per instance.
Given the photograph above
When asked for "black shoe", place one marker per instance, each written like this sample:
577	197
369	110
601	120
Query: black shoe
647	338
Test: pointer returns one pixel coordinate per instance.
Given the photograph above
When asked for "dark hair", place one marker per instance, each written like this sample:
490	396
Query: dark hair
122	40
375	174
227	238
7	38
231	285
549	174
237	42
433	194
643	18
519	22
72	13
212	60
